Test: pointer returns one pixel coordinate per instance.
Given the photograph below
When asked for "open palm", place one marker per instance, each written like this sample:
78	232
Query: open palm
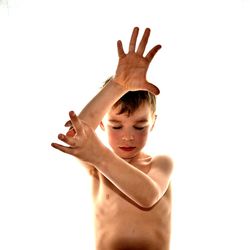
132	67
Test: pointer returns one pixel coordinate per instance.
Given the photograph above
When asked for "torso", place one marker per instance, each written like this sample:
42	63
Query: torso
121	224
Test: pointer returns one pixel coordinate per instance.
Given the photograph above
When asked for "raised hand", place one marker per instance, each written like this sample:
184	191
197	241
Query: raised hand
82	140
132	67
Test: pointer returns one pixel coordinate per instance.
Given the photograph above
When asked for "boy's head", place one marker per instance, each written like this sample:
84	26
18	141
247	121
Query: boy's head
129	122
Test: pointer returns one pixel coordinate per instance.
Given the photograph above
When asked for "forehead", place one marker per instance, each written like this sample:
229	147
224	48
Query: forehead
143	112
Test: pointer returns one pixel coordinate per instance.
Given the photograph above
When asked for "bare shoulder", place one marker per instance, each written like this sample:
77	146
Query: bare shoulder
162	162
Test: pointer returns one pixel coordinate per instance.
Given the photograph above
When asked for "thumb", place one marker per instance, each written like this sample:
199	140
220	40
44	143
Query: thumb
152	88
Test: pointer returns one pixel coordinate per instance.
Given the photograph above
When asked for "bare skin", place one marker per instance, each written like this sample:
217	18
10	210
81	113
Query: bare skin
131	190
122	224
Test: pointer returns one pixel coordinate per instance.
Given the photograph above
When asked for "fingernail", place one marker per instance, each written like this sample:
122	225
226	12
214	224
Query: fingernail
60	136
67	124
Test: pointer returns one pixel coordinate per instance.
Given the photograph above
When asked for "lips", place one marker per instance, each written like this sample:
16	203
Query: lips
127	148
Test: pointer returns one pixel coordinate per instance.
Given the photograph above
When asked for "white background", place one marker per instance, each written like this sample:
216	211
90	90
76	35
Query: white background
54	56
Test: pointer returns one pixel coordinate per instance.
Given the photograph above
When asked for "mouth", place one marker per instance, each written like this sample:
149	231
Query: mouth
127	148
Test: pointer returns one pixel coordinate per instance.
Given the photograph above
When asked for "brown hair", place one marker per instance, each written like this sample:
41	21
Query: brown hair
132	100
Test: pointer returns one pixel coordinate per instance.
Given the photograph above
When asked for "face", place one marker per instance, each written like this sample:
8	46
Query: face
127	135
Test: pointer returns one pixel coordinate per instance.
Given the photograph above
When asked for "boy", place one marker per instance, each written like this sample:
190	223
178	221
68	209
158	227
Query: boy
131	190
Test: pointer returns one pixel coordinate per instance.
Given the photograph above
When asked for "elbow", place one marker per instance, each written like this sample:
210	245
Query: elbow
149	204
150	199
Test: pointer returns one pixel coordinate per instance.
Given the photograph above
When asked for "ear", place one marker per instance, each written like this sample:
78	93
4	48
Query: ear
102	126
154	120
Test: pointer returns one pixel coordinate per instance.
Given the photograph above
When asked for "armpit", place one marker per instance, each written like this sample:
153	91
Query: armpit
93	172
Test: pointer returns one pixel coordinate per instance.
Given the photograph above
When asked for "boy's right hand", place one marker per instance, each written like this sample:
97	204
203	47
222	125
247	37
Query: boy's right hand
83	143
132	67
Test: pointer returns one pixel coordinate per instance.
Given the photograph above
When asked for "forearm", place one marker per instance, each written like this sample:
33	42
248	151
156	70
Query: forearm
135	184
95	110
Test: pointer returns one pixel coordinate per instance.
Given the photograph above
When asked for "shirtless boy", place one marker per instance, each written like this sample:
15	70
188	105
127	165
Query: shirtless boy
131	189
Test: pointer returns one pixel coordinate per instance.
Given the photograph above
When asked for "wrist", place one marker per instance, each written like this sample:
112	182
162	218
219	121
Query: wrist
118	85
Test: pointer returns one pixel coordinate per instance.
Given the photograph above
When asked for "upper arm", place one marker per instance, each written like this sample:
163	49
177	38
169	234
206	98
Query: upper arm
161	172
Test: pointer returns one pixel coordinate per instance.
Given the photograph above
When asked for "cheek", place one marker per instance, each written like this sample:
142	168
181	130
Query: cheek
113	136
142	136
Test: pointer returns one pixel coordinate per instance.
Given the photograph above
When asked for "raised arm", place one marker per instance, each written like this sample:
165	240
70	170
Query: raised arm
130	76
85	145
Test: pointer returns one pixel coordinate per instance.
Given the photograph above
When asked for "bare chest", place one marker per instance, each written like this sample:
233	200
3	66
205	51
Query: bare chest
119	219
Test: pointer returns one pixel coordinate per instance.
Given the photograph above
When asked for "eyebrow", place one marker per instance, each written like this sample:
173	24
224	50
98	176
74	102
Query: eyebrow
115	121
141	120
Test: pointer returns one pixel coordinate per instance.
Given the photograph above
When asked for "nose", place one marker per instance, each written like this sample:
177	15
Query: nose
128	137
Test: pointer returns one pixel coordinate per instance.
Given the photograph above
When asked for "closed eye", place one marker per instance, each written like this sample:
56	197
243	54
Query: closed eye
117	127
139	128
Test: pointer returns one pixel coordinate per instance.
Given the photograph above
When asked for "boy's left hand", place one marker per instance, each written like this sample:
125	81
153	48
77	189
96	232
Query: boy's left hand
82	140
133	66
